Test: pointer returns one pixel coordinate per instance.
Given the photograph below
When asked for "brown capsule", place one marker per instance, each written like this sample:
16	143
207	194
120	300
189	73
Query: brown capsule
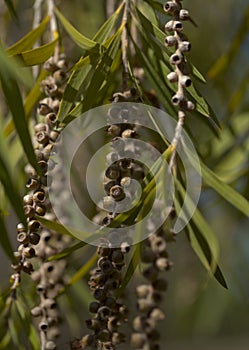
147	255
33	183
114	130
36	311
43	166
157	314
34	225
43	325
40	210
27	267
171	7
94	306
29	252
117	193
104	335
87	340
20	227
40	127
143	290
138	340
99	294
43	109
104	312
128	133
49	304
105	265
118	338
50	119
109	185
38	154
59	77
39	196
158	244
28	199
42	137
22	237
112	172
54	135
117	256
50	345
34	238
93	324
176	58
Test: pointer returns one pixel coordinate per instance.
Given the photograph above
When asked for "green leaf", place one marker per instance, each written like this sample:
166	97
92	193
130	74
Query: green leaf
67	251
38	55
4	239
202	238
14	100
83	270
34	338
28	40
77	37
224	190
11	8
55	226
29	103
11	190
106	29
202	250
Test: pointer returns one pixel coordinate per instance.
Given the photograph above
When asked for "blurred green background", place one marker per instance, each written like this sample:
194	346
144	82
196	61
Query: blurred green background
200	313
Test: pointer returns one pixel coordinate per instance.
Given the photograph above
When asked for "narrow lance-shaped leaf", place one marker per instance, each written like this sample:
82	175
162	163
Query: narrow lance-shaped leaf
38	55
4	239
81	40
11	192
226	191
14	100
28	40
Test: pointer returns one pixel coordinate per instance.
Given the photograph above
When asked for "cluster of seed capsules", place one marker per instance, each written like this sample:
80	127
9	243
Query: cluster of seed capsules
105	280
177	39
149	296
35	241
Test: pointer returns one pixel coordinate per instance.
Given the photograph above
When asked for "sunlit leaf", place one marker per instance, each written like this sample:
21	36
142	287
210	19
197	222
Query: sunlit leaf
15	103
224	190
81	40
38	55
28	40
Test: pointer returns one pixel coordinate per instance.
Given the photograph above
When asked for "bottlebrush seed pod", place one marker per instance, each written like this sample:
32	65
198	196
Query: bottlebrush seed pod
184	15
39	196
43	166
34	225
42	137
36	311
109	185
157	314
185	46
40	210
171	7
172	77
170	40
138	340
38	154
50	345
44	109
114	130
20	227
33	183
112	172
173	26
117	256
34	238
117	193
50	119
43	325
176	58
143	290
177	99
190	106
105	265
29	252
54	135
128	133
28	199
104	335
29	211
22	237
27	267
94	306
185	80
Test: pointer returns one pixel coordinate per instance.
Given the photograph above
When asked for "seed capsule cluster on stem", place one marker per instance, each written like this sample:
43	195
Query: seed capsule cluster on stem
110	312
177	39
36	241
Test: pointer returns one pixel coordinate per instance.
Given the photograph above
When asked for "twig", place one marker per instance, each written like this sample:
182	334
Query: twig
125	44
53	27
36	21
